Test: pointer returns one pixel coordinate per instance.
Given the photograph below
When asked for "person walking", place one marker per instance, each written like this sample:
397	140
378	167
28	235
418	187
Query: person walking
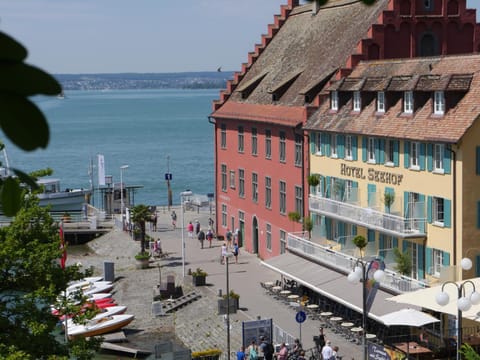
223	253
209	237
283	352
229	237
266	348
241	353
320	340
201	237
235	252
190	230
197	227
327	351
253	351
174	220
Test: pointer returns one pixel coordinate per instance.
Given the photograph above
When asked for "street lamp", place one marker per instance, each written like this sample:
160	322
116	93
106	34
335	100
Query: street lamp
122	205
228	255
464	301
360	272
182	204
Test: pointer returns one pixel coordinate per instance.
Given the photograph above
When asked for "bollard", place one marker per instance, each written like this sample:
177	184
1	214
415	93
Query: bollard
219	292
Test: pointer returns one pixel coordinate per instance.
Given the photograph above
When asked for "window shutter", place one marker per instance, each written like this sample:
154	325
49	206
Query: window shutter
421	213
364	149
446	259
477	265
354	230
370	235
447	160
328	225
478	214
313	137
428	260
324	140
377	151
429	209
341	146
396	145
395	242
354	148
371	189
422	156
405	204
447	208
327	187
421	263
429	157
381	145
404	246
478	160
406	154
327	144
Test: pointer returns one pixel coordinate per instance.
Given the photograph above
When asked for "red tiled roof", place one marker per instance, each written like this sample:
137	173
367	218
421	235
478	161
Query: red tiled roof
422	125
277	114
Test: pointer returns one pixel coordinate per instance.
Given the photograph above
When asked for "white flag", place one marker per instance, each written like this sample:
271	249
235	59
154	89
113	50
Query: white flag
101	169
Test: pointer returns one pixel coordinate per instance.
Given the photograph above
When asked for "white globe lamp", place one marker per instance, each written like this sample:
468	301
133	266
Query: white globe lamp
353	277
466	264
379	275
475	298
464	304
442	298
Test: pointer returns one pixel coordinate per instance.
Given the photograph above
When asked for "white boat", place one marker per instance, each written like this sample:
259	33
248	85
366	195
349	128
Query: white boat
101	326
86	284
92	288
106	312
68	200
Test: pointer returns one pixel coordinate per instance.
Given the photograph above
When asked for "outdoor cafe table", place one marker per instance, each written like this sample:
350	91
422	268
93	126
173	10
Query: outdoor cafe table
312	306
276	288
336	318
293	297
326	314
285	292
268	284
412	348
347	324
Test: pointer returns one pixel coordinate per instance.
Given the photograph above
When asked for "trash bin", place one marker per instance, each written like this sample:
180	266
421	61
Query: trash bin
109	271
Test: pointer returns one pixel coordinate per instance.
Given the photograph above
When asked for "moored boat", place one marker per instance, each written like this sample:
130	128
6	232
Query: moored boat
68	200
106	312
101	326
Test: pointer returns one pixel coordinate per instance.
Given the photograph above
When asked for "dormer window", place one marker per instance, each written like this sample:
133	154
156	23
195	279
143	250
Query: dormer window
334	100
408	102
357	101
439	103
381	102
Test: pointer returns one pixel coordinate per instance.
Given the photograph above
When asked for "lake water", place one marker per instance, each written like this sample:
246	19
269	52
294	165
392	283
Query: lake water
152	131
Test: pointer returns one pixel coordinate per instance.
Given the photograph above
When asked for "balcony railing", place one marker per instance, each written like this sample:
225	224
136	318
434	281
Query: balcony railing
376	220
297	243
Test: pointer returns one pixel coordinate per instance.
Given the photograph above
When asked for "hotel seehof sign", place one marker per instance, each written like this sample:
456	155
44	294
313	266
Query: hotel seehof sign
371	174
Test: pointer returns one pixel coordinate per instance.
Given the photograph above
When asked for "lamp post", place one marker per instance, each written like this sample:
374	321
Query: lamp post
464	301
227	260
122	205
360	272
182	204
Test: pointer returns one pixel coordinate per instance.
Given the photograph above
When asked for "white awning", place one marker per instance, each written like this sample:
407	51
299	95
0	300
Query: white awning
331	284
426	298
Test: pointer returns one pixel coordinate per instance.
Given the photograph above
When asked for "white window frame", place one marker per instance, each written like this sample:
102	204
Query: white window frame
439	103
224	215
437	262
415	155
232	179
408	102
381	102
389	152
268	241
318	144
268	192
438	211
348	147
334	100
357	101
268	144
333	146
371	151
438	153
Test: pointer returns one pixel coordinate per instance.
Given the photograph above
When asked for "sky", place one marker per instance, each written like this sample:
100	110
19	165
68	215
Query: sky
112	36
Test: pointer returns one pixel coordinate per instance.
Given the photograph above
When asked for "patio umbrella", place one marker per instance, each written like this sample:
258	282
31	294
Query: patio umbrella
408	317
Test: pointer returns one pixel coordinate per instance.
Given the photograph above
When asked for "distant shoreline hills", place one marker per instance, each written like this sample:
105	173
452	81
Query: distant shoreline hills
129	81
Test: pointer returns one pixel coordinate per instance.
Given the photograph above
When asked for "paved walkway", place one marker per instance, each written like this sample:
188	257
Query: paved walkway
197	325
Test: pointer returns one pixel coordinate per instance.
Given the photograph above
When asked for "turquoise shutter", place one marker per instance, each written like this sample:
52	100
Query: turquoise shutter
477	160
421	200
341	232
477	265
429	209
370	235
429	157
354	196
478	214
364	149
447	161
395	242
328	226
354	230
354	148
421	263
405	204
428	260
404	245
323	227
381	246
324	141
322	185
422	156
446	259
447	208
327	187
341	146
406	154
396	146
371	189
313	137
381	148
376	143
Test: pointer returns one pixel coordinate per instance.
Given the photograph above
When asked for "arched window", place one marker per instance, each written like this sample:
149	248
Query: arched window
428	45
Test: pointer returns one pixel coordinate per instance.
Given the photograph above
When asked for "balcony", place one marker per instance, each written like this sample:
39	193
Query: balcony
343	263
367	217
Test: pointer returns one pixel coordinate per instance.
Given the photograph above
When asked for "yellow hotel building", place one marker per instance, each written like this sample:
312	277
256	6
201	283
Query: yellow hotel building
396	151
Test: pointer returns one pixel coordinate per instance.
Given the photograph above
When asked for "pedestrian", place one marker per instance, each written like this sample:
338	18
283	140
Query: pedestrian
201	237
301	356
223	253
327	351
197	227
335	353
320	340
210	222
266	348
283	352
155	221
209	237
252	351
190	230
159	247
229	236
297	348
241	353
235	252
174	219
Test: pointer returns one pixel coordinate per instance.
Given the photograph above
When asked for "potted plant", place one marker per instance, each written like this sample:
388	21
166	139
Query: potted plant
143	260
141	214
404	262
233	298
388	200
294	216
361	243
199	277
313	180
308	226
